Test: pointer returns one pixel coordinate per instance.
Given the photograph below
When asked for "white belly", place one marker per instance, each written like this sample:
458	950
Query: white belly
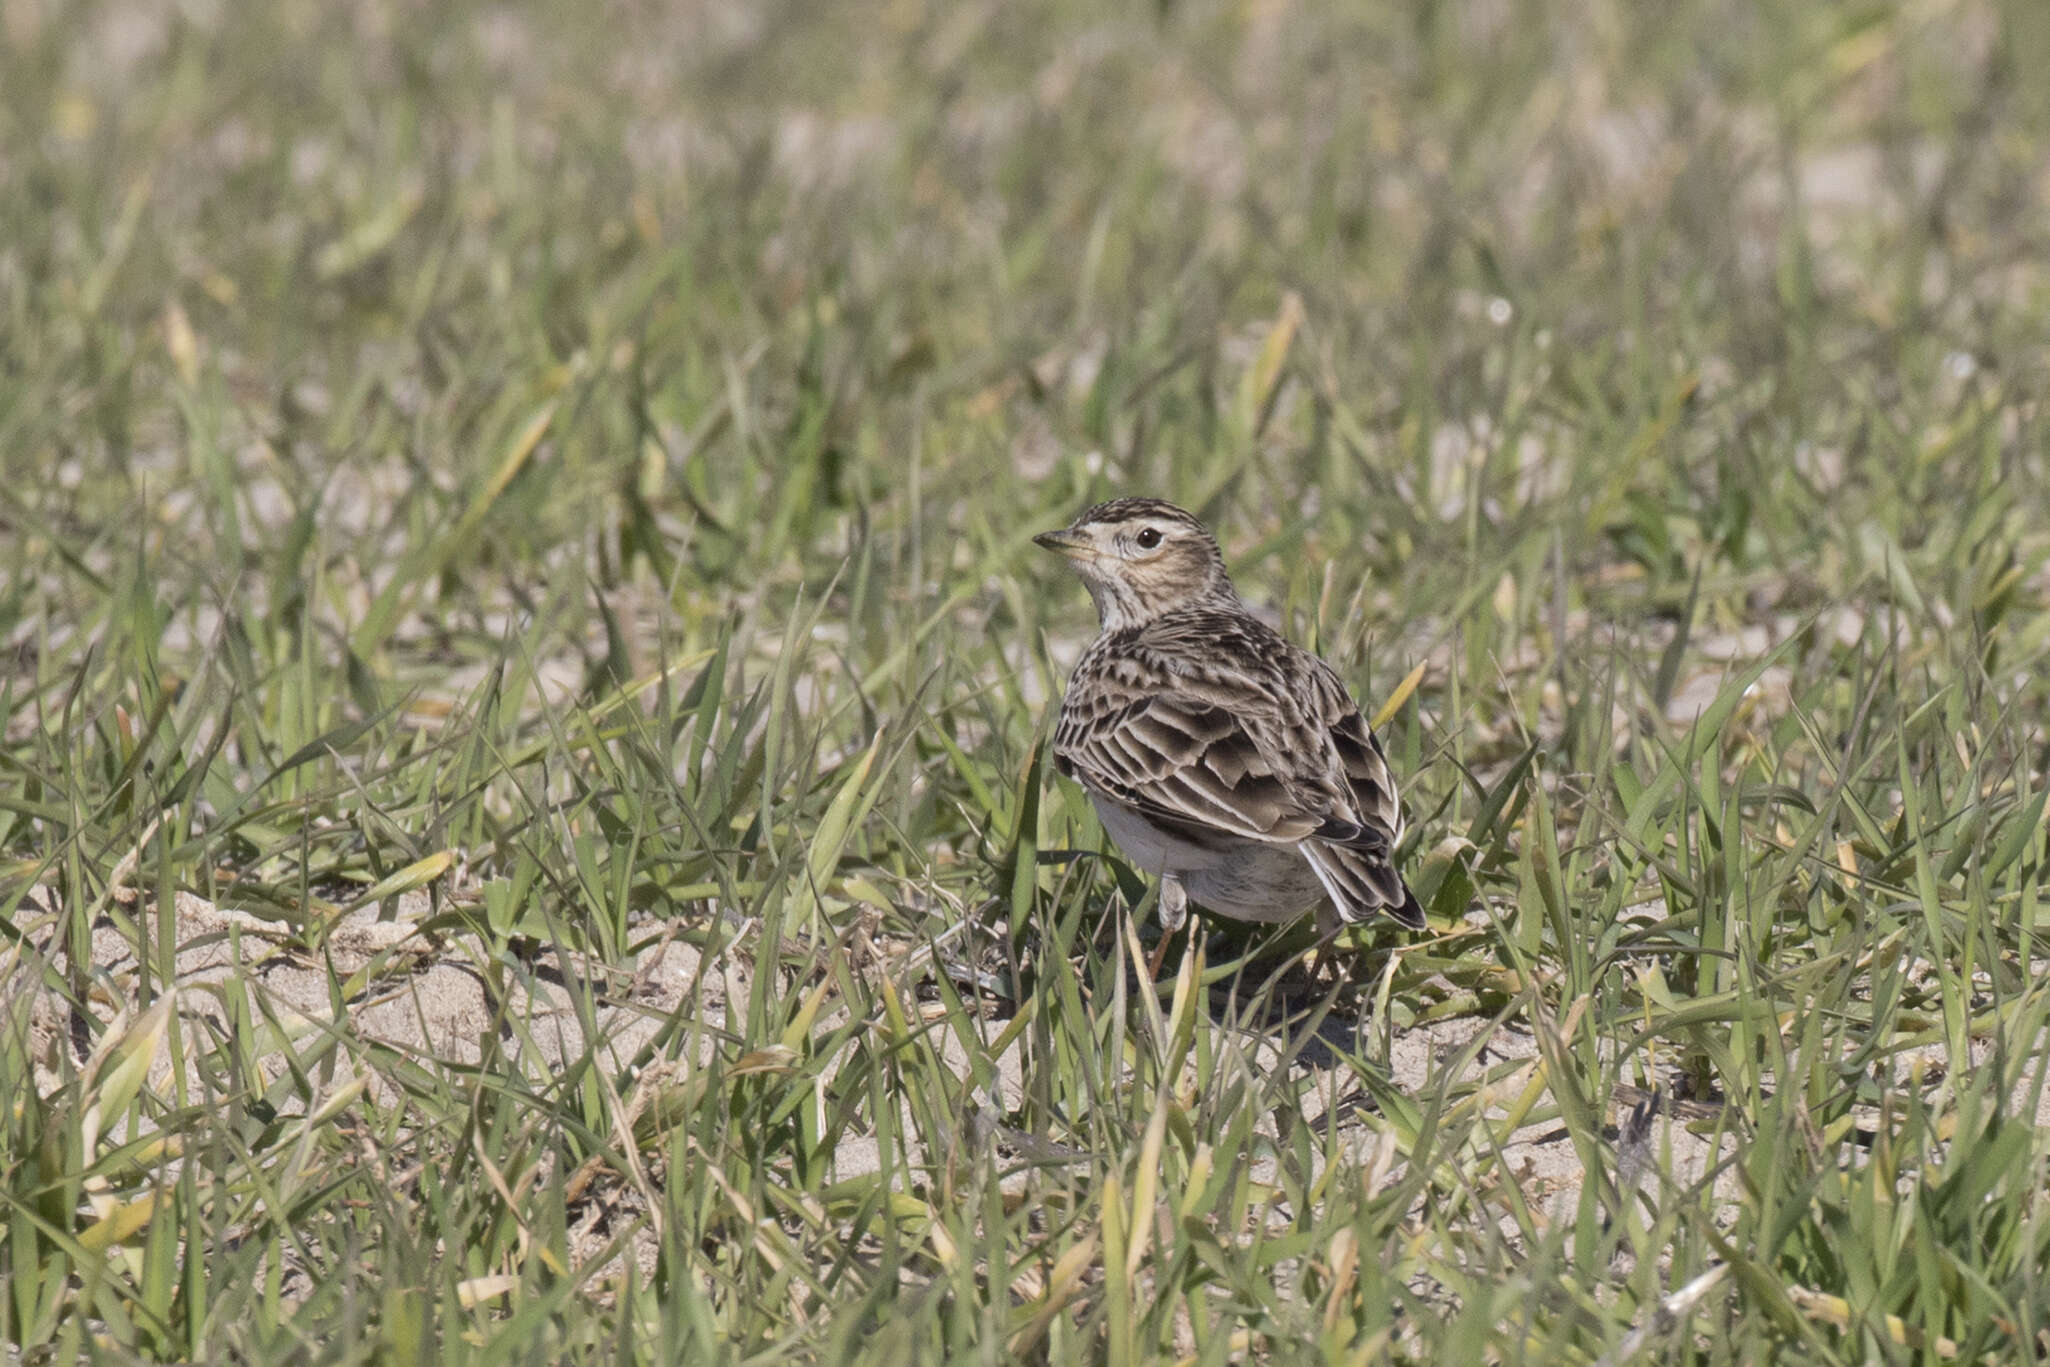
1258	883
1151	848
1247	880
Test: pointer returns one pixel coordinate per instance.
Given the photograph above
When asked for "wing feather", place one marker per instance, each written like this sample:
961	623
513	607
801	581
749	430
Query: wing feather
1190	761
1223	730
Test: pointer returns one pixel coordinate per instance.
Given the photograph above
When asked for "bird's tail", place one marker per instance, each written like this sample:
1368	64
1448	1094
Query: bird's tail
1362	881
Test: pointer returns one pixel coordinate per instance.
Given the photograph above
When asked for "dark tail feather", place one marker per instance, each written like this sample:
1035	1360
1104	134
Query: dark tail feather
1362	882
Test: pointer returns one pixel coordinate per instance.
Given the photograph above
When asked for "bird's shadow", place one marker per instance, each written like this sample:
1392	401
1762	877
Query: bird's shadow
1257	979
1308	996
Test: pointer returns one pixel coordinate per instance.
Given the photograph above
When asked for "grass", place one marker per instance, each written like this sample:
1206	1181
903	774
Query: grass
568	478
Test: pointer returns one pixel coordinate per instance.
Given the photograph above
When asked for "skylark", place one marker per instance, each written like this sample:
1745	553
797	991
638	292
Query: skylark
1219	756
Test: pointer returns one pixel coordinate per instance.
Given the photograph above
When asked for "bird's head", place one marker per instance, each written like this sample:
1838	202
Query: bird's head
1141	557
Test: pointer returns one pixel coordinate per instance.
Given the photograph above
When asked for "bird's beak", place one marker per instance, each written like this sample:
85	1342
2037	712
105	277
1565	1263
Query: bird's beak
1071	544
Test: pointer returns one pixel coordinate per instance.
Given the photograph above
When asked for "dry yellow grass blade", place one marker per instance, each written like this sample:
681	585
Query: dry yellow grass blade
1400	696
1835	1310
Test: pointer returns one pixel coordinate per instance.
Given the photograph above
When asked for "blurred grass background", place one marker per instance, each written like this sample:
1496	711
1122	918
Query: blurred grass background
581	459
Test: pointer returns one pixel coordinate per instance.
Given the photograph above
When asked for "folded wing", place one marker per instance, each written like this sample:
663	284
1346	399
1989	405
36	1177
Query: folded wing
1353	854
1297	766
1189	765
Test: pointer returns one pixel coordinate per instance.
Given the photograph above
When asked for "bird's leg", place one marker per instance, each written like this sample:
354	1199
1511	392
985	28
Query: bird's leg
1173	910
1329	926
1174	903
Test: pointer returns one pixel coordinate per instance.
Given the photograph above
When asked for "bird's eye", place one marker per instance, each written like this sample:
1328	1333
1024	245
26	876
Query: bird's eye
1149	538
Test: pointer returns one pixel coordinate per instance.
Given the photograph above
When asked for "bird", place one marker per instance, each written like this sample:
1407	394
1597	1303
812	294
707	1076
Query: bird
1219	755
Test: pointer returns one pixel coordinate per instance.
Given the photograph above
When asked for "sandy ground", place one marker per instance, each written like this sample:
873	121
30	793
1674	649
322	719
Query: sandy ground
426	995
